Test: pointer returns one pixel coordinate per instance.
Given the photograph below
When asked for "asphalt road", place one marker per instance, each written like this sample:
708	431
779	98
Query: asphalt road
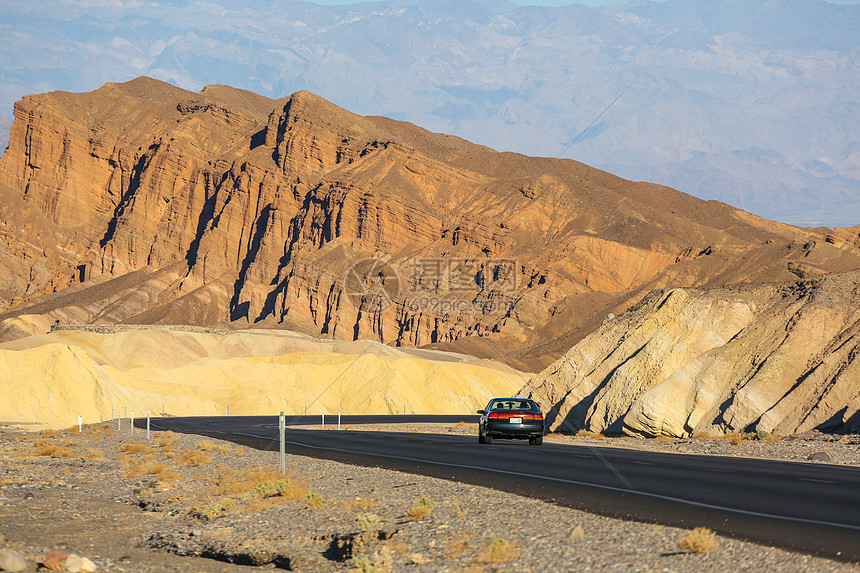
813	508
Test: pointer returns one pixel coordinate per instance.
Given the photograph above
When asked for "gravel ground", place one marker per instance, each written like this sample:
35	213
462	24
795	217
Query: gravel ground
186	503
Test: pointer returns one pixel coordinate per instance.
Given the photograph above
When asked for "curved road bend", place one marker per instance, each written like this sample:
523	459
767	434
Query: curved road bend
807	507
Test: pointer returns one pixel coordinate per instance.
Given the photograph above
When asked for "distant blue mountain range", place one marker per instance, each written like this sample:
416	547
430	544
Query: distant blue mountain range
752	102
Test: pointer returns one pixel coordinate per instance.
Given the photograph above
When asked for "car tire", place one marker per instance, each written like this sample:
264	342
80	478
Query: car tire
538	441
488	440
481	438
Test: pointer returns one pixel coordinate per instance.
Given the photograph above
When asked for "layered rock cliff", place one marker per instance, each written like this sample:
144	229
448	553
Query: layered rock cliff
144	203
779	358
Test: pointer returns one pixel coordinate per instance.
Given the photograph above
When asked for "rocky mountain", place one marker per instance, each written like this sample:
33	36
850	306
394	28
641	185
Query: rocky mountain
753	103
145	203
778	358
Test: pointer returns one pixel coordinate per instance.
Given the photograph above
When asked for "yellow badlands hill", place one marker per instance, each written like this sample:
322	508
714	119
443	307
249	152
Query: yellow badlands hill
53	378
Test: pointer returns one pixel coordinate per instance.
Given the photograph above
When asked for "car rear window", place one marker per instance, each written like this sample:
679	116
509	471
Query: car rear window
514	405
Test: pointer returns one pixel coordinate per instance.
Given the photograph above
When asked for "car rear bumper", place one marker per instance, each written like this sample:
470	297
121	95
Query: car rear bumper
507	430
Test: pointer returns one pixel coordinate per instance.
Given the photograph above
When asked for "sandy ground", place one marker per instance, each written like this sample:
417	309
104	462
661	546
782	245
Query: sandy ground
97	372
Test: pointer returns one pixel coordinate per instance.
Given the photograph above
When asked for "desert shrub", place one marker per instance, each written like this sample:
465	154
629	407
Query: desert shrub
499	551
210	446
699	540
217	509
165	440
456	546
315	499
93	454
266	489
425	501
361	503
134	447
55	451
157	469
418	512
193	458
367	522
589	434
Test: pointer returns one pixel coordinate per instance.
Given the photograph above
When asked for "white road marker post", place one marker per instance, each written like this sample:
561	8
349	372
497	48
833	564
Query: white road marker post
162	408
80	423
132	422
147	424
323	420
281	429
228	408
338	420
118	422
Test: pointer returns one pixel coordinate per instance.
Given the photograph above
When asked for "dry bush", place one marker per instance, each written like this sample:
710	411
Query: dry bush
462	425
418	512
499	551
169	475
55	451
457	545
239	451
367	522
193	458
735	438
93	454
134	447
700	540
703	436
158	469
360	503
315	499
210	446
145	468
234	482
215	510
589	434
165	440
459	510
97	429
662	438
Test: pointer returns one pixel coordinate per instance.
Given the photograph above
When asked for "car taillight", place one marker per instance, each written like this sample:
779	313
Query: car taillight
538	416
493	415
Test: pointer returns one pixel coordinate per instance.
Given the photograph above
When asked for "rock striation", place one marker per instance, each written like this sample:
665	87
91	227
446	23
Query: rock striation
778	358
144	203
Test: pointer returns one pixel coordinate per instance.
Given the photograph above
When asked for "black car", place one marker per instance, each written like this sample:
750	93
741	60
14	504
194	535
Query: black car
511	418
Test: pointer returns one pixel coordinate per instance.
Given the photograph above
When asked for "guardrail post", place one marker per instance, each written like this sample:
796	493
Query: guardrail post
281	428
